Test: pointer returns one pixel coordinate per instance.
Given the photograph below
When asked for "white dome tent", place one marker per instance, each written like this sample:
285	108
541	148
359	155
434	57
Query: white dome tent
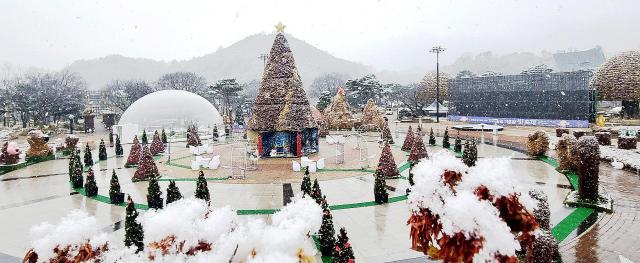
169	109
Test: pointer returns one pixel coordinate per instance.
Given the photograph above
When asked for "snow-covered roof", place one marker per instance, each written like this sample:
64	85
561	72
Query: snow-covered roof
432	107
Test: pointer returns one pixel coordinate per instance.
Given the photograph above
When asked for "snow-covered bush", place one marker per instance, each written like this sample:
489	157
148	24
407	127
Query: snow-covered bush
538	143
187	230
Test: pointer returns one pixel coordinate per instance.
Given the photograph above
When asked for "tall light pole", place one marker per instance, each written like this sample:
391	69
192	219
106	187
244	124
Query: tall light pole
437	50
264	58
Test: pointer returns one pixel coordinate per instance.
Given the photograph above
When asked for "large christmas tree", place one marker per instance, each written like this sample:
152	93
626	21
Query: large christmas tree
134	234
119	150
281	103
90	187
386	164
147	167
154	195
408	140
202	190
135	153
102	151
115	195
343	252
88	157
173	193
156	145
338	113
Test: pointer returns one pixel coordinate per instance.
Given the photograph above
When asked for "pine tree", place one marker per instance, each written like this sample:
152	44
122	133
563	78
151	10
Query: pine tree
173	193
119	150
215	133
343	252
457	147
432	138
154	195
72	165
164	137
323	101
156	145
386	133
470	153
88	158
386	163
102	151
379	187
193	139
305	187
90	187
77	179
134	154
327	232
202	190
418	151
445	139
110	137
316	193
147	167
408	140
134	234
115	195
144	137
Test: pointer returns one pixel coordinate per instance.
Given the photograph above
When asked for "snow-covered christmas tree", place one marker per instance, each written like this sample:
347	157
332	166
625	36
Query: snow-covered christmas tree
134	153
338	113
386	163
147	167
408	140
102	151
156	145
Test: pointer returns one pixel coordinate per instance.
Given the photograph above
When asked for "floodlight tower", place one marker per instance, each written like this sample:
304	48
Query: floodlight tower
437	50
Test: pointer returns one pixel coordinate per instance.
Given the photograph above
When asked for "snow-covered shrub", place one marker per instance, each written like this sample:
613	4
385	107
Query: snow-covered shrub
538	143
588	153
565	146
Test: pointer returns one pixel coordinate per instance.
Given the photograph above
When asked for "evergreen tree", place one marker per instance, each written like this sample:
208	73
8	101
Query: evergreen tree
90	187
324	101
305	187
202	190
445	139
173	193
215	133
134	234
418	151
432	138
115	195
386	133
193	139
144	137
379	188
239	115
77	179
88	158
156	145
102	151
457	147
119	150
343	252
164	137
316	193
470	153
147	167
326	232
408	140
386	163
154	195
134	153
110	137
72	165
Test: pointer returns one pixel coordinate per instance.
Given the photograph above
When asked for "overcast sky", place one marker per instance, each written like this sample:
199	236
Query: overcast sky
393	35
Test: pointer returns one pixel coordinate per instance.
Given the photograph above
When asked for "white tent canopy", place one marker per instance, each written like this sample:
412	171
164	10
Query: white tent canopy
174	109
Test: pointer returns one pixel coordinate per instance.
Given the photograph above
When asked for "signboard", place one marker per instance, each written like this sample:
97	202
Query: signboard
521	121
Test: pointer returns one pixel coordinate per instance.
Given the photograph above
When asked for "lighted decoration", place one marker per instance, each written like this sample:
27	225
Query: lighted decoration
38	148
408	140
338	113
134	153
371	117
282	123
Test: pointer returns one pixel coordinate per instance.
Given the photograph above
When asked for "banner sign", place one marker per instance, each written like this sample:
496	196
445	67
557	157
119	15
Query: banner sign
521	122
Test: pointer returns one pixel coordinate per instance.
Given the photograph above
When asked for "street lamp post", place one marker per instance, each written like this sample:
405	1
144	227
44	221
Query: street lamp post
437	50
71	123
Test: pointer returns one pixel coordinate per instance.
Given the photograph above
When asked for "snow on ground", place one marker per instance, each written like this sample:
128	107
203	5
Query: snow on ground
630	158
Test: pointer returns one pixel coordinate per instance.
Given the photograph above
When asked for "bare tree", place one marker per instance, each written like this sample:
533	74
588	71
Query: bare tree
329	82
122	93
413	97
187	81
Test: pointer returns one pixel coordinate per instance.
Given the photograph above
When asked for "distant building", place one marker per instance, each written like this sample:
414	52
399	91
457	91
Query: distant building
579	60
96	101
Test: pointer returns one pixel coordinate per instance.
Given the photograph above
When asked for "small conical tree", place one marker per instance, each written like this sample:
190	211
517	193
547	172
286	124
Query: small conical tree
457	146
147	167
408	140
418	151
343	252
193	139
432	138
202	190
72	165
215	133
90	187
470	153
386	163
77	179
144	137
102	151
115	196
154	195
134	154
163	136
386	133
327	232
445	139
173	193
119	150
156	145
316	193
379	188
88	158
110	137
305	187
133	232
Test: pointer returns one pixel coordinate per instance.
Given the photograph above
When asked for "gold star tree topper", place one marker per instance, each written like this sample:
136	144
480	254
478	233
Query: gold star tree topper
280	27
